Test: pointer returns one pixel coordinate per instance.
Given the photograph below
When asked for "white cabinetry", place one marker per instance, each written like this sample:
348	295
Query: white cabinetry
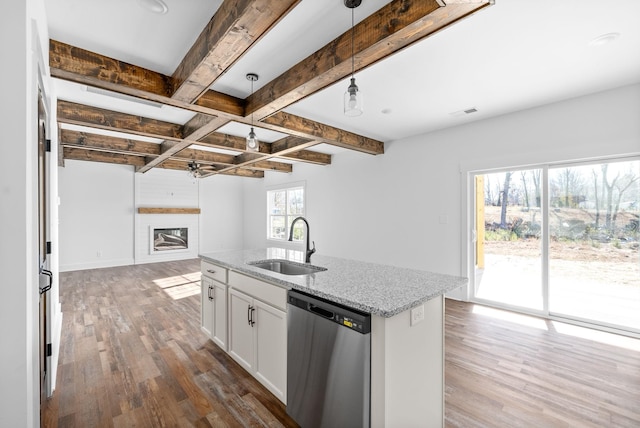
258	330
214	303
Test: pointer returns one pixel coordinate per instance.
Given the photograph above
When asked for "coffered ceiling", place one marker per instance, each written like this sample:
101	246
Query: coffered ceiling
162	89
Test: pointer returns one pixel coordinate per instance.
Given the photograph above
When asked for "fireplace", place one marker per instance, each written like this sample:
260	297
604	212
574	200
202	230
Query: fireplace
169	239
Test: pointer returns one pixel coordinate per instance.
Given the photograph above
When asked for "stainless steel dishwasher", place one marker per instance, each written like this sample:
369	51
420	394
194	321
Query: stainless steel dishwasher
328	363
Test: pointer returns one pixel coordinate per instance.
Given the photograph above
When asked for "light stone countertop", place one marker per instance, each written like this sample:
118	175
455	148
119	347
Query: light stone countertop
373	288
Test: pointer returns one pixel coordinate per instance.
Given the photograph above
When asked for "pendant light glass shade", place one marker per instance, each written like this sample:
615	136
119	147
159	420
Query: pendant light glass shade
252	141
353	100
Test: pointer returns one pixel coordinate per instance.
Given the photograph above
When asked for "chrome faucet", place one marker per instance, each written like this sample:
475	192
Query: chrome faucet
309	250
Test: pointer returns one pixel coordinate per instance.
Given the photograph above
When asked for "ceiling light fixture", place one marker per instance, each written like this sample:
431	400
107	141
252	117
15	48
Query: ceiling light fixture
197	170
194	169
353	100
154	6
253	145
604	39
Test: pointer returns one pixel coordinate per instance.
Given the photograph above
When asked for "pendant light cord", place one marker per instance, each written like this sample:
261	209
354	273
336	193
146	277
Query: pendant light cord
252	110
352	42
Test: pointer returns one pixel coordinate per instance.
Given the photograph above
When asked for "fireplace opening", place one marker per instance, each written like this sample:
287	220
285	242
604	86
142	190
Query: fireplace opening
167	239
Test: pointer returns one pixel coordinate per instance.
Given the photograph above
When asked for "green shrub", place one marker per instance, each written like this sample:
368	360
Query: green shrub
500	235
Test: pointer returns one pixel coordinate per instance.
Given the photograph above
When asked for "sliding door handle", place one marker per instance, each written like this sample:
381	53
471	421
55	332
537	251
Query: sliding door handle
50	284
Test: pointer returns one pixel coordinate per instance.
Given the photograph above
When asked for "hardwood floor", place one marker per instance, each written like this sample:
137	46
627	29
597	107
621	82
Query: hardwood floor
132	354
508	370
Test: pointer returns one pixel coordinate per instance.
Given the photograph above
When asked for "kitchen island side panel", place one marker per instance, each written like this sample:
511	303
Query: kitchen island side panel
407	369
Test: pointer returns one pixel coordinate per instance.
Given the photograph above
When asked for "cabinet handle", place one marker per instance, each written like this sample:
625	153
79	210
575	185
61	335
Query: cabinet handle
249	314
210	294
211	271
252	321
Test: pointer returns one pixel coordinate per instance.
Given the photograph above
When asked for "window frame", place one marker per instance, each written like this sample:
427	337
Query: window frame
288	216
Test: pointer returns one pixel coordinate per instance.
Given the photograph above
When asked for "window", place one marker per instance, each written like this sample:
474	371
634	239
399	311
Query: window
283	206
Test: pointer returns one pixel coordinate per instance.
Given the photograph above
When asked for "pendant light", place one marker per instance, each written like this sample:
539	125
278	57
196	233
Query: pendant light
253	145
353	100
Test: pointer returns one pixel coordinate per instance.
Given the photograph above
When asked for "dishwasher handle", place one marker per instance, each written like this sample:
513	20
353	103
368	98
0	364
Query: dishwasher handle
321	311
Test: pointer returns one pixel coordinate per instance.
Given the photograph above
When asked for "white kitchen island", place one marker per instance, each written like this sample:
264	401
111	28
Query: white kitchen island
407	355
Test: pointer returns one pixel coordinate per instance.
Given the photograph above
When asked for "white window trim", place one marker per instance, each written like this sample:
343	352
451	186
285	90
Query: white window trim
284	243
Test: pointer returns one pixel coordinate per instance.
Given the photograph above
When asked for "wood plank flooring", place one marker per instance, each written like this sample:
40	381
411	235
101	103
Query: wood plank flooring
132	354
509	370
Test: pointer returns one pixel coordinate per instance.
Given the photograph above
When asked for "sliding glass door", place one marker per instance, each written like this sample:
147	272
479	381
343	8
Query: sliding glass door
561	240
508	267
594	260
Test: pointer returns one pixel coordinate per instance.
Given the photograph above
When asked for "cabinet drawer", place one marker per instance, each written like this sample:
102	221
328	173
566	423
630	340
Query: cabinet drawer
268	293
214	271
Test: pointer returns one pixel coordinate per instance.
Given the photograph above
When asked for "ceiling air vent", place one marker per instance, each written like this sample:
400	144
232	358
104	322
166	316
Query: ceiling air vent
464	112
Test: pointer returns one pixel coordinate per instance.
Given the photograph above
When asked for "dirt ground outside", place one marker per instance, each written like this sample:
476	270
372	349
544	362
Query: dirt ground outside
605	264
612	261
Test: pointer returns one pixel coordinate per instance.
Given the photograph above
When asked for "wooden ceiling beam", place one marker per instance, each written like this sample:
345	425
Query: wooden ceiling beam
321	133
90	141
202	156
389	30
180	165
79	114
283	147
308	156
64	58
235	27
99	156
89	68
224	160
198	127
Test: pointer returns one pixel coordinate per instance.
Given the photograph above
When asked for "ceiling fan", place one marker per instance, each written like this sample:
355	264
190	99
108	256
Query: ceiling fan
197	170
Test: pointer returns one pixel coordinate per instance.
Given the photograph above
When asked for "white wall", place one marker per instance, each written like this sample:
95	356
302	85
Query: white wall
221	219
22	29
406	207
161	188
98	204
96	215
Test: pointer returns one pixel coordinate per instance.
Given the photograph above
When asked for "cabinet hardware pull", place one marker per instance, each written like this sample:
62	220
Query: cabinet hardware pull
211	271
249	314
209	293
252	321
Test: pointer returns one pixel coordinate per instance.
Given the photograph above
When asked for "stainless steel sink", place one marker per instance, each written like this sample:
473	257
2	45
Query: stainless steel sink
287	267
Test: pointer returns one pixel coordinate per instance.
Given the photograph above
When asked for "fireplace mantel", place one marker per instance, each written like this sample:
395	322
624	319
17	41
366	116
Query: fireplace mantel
158	210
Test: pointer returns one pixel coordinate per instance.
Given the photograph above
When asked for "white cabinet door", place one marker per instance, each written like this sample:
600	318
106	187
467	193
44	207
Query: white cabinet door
271	348
240	329
219	318
206	306
213	301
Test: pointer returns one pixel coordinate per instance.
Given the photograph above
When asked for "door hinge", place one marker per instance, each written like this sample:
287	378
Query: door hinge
49	350
48	247
47	145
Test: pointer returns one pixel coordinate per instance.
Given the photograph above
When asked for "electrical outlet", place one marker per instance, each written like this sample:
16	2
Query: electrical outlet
98	253
417	315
